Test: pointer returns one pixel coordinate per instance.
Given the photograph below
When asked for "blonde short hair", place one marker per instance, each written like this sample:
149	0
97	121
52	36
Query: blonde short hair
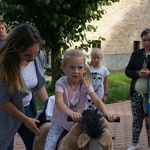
96	51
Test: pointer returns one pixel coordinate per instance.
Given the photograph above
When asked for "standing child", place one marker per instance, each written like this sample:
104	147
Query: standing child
70	96
99	74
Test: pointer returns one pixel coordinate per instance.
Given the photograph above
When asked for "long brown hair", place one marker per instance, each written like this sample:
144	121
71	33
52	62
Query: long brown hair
18	40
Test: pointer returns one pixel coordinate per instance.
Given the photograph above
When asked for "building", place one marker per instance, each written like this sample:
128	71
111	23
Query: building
121	26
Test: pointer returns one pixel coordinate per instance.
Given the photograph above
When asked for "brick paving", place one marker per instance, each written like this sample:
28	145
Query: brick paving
121	131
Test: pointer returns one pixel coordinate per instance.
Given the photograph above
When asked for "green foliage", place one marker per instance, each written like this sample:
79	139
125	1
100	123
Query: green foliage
48	72
60	22
49	88
119	85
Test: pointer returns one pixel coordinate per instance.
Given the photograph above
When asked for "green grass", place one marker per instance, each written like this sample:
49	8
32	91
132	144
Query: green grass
119	85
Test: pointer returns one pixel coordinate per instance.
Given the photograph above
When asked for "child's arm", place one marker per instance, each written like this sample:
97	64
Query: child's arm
101	106
105	89
63	107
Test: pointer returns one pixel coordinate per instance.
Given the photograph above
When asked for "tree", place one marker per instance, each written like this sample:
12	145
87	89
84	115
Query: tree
60	22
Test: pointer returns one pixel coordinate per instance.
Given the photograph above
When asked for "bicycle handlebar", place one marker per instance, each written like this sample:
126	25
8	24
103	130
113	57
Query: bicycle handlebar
116	120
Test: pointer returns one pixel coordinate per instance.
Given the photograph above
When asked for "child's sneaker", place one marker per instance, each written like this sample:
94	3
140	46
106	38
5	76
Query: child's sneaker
134	147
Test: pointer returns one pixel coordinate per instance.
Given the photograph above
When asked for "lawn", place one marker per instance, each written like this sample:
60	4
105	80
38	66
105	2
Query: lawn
119	85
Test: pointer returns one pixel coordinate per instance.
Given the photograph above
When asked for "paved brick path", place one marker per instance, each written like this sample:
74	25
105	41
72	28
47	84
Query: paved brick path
121	131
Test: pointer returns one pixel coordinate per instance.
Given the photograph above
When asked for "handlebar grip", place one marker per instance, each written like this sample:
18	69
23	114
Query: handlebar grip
69	118
117	119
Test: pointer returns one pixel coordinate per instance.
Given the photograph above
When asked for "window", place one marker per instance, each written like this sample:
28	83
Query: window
96	43
136	45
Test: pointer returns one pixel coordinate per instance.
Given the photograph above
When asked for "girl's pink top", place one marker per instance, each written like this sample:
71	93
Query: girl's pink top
75	100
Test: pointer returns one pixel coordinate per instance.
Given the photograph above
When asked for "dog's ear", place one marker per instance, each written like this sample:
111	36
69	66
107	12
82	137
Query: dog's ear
83	140
106	138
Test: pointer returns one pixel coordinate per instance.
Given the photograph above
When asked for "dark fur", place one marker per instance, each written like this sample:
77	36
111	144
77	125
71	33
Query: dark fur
93	126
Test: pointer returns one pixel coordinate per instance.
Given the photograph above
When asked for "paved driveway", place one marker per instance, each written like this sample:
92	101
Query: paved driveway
121	131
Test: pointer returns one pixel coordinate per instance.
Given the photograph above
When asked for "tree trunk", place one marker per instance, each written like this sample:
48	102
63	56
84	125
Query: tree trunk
56	62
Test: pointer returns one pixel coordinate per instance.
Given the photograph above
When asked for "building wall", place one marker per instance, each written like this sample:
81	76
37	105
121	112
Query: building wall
121	25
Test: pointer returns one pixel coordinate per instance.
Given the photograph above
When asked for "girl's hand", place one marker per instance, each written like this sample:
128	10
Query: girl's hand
76	116
110	117
30	123
144	73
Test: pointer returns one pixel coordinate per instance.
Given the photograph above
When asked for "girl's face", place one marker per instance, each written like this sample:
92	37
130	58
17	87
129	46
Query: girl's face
30	53
74	68
146	41
96	59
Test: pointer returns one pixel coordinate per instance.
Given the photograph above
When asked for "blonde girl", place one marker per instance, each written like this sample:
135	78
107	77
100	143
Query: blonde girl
99	74
71	96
